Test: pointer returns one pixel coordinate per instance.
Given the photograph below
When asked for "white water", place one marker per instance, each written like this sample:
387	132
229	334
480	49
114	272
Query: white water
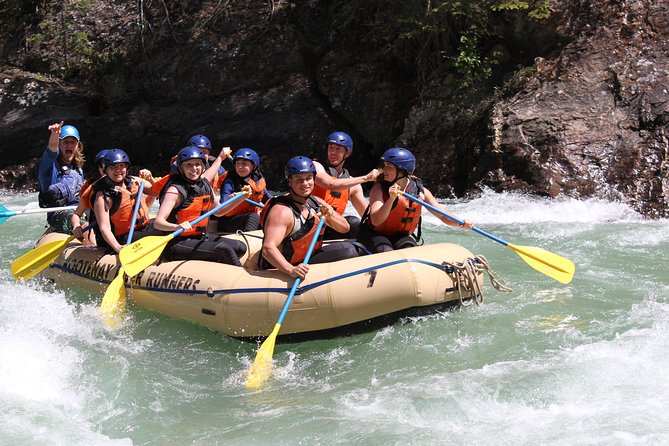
545	364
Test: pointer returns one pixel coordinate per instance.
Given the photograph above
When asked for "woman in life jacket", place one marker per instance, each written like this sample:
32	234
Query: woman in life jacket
337	187
60	175
114	197
211	172
244	217
185	197
213	163
85	203
289	224
391	219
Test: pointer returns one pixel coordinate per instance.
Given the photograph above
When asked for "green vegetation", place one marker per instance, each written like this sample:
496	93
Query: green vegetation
439	39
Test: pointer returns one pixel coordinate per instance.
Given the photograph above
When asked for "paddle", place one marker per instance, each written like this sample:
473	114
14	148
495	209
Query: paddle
262	365
255	203
32	262
144	252
546	262
6	213
113	302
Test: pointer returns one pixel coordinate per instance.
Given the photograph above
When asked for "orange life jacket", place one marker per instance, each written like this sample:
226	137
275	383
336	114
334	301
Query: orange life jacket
335	198
197	198
86	195
405	215
294	247
258	186
159	185
122	204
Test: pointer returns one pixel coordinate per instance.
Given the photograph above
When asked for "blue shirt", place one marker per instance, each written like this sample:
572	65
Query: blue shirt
48	169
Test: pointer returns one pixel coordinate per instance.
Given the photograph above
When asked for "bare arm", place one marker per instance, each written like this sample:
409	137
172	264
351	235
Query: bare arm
246	191
324	180
429	199
172	200
102	215
212	171
54	136
76	221
278	224
378	208
333	219
357	198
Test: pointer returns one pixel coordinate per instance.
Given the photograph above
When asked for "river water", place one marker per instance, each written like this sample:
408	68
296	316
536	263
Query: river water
585	363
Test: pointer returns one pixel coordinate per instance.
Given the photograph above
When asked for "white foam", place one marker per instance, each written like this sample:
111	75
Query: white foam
510	208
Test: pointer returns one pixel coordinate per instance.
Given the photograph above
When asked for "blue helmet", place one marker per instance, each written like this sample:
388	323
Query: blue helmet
401	158
69	130
342	139
99	158
115	156
200	141
299	164
247	154
190	153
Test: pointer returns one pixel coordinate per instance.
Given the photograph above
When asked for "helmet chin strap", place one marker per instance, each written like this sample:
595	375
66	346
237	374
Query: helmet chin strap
298	195
401	173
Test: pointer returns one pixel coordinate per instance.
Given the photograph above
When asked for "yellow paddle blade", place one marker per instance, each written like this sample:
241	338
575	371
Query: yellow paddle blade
141	254
551	264
34	261
262	365
112	307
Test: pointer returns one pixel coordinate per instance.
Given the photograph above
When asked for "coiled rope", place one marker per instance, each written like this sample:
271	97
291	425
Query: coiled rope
464	276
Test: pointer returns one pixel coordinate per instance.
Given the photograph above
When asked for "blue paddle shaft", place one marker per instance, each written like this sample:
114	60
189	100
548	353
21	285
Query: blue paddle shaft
255	203
209	213
455	219
4	212
289	299
138	200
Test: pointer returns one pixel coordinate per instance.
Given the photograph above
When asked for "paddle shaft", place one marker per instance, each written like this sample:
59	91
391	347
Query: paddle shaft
255	203
135	257
134	213
455	219
209	213
307	257
4	212
518	249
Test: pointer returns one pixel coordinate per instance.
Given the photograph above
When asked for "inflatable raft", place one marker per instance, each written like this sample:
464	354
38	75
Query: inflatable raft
344	296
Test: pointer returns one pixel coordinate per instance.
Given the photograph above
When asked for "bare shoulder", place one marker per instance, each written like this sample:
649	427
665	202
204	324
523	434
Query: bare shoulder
319	167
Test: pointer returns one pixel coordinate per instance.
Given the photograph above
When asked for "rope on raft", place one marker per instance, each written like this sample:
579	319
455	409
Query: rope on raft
464	276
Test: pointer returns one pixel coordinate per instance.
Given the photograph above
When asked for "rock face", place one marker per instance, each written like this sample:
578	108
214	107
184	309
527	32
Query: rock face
587	116
592	121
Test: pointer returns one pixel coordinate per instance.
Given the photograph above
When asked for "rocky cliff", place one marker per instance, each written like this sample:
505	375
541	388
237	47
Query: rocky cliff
576	105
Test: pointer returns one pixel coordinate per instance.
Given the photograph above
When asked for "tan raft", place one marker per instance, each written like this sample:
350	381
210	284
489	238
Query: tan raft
244	302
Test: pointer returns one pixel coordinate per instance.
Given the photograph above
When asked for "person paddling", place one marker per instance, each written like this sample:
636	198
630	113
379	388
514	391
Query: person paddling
289	223
335	185
85	202
391	219
60	175
114	201
186	196
244	217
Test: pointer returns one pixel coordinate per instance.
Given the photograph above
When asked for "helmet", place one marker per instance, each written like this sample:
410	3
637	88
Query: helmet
401	158
247	154
189	153
115	156
99	158
299	164
69	130
341	138
200	141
